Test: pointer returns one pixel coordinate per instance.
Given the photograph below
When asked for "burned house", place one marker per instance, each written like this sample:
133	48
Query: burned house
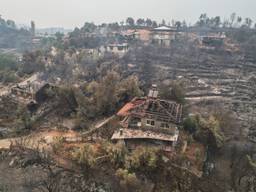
130	35
149	121
28	87
137	34
213	40
163	36
117	49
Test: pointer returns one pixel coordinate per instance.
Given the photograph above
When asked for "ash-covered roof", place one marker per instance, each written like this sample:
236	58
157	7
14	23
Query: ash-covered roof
139	134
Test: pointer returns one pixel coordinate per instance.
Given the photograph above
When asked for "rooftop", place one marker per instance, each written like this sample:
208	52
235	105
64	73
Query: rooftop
118	45
214	36
165	28
126	109
166	110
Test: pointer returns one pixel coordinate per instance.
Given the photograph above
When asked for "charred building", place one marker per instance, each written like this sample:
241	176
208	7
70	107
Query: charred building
149	121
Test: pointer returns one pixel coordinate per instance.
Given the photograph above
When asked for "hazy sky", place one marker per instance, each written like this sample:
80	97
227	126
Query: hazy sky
71	13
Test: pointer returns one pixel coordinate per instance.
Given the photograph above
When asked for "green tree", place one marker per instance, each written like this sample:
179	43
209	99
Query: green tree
216	21
116	153
203	20
232	19
178	24
59	36
140	22
2	21
163	23
89	27
128	181
248	22
184	24
174	92
154	24
85	157
149	22
143	159
239	20
210	132
11	24
105	96
128	89
191	124
3	188
113	26
8	76
33	62
8	62
130	21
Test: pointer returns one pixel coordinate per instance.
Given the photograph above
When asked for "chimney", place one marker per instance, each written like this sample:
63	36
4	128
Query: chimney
153	93
121	132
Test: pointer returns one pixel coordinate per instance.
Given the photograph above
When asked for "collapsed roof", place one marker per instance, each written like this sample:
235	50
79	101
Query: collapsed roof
163	110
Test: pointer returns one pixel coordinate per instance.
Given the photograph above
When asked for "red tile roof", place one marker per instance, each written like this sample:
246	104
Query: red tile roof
131	105
169	110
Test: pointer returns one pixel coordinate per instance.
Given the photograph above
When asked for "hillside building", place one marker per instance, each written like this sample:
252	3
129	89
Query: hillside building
118	49
213	40
149	121
163	36
137	34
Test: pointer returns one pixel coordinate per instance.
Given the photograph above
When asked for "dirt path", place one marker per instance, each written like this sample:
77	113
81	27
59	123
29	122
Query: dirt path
5	143
41	139
47	137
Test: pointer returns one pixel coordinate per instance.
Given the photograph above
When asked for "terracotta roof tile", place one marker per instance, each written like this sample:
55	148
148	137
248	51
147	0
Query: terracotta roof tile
131	105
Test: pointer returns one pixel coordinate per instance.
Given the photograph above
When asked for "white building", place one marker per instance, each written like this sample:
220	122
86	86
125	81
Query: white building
118	49
163	35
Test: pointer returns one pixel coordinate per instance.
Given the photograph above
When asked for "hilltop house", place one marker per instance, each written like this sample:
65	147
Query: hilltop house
149	121
137	34
130	34
163	36
117	49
